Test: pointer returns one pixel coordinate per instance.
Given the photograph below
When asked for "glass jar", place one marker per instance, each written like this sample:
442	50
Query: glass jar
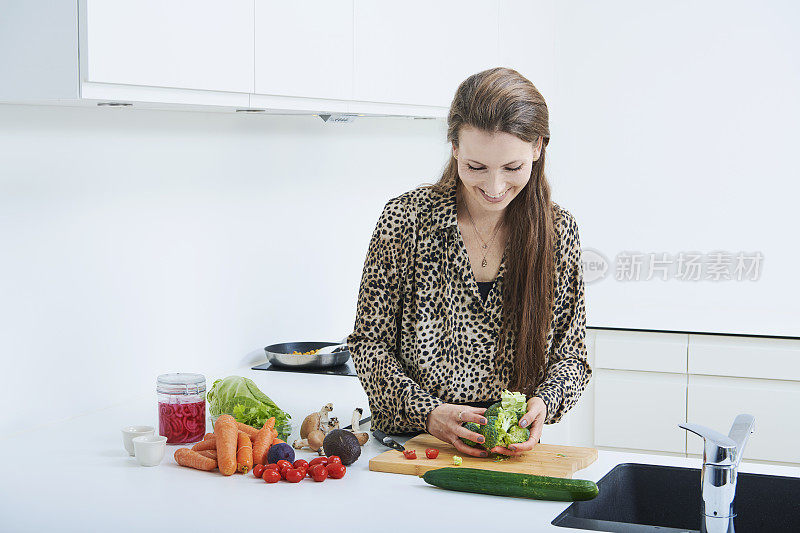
181	407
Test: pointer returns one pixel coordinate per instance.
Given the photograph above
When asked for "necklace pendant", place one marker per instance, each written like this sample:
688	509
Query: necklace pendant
484	262
485	246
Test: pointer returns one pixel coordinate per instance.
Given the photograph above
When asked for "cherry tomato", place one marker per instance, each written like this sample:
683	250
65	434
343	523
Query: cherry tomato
283	463
299	463
270	475
431	453
410	454
258	470
334	459
303	470
336	470
318	461
283	471
294	475
272	466
319	472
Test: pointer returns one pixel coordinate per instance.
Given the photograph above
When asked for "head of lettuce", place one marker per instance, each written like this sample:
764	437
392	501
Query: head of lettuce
240	398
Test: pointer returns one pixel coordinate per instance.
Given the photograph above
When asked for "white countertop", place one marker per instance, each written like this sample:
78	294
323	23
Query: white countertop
76	476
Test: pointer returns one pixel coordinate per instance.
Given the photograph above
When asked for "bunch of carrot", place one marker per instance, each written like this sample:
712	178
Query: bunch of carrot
233	447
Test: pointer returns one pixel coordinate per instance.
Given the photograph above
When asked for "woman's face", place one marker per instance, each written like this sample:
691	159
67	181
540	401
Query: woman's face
494	167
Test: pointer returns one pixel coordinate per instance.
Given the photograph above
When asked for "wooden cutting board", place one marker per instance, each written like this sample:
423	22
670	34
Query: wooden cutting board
543	460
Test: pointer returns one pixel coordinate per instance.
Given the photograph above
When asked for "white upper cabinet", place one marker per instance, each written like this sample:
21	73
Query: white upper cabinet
186	44
418	52
304	48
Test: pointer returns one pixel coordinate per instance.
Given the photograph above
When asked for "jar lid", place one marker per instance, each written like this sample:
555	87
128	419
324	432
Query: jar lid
181	383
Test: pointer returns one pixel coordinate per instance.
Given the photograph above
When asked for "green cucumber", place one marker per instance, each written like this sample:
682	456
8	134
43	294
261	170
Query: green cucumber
511	484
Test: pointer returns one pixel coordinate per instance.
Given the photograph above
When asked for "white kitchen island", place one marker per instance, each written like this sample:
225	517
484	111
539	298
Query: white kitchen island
74	475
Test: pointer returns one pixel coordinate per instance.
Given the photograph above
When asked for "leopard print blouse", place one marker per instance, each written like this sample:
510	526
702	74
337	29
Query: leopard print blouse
422	334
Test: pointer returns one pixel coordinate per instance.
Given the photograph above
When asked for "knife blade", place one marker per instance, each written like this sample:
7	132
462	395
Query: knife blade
386	440
360	422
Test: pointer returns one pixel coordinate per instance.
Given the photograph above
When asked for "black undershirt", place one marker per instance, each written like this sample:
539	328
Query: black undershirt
484	287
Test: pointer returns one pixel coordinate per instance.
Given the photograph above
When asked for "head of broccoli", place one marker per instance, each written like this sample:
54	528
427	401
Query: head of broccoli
502	422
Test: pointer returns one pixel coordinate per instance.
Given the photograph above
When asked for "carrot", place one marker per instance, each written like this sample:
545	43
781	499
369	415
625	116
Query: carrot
262	443
208	444
211	454
193	459
278	441
227	437
250	430
244	453
208	436
270	422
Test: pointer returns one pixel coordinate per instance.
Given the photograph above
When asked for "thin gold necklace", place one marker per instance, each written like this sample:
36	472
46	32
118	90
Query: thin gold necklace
484	245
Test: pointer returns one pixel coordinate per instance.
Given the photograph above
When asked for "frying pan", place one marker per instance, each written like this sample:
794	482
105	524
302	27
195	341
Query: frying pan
281	355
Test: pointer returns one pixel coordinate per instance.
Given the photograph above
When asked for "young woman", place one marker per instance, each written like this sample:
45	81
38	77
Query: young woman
474	284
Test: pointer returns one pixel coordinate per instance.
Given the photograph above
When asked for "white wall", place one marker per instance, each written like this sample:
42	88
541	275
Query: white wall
139	242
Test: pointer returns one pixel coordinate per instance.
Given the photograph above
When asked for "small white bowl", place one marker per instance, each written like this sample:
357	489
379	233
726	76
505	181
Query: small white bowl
150	449
129	432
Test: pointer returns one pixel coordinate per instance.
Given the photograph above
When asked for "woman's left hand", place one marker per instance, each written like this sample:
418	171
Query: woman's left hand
534	419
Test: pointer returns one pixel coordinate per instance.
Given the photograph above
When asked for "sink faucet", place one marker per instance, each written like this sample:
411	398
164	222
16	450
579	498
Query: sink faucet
721	458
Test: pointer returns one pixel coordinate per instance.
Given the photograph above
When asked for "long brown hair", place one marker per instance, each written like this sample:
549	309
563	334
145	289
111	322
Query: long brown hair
502	100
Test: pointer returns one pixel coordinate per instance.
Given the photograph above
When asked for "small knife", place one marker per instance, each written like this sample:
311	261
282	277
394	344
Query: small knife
360	422
386	440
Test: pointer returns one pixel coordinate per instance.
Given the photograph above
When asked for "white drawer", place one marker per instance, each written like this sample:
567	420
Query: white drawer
640	410
637	350
715	402
747	357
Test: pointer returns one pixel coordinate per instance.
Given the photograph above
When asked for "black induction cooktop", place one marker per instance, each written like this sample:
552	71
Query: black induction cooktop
346	369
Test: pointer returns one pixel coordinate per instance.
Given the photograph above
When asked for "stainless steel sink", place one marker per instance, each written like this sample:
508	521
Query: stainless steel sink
637	498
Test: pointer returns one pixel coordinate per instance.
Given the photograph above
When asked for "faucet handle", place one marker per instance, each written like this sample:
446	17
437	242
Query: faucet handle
743	426
718	450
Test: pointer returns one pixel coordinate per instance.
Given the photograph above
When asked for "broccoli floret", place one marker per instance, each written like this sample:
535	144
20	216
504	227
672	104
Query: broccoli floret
507	420
493	409
493	432
472	426
516	435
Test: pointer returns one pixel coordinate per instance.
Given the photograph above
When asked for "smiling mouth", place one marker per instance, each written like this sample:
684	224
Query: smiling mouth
498	197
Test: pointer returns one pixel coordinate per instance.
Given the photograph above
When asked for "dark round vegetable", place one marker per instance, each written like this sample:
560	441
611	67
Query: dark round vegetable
280	452
342	443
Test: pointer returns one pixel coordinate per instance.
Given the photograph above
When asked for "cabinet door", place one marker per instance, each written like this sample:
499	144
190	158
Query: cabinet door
715	402
304	48
640	410
641	350
187	44
418	52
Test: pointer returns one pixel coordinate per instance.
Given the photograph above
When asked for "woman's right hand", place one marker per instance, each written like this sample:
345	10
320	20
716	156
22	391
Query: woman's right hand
444	424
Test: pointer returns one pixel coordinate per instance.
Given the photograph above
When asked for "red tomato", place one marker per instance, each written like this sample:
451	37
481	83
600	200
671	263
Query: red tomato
334	459
258	470
431	453
336	470
410	454
272	466
283	463
294	475
299	463
303	470
283	471
270	475
319	472
318	461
